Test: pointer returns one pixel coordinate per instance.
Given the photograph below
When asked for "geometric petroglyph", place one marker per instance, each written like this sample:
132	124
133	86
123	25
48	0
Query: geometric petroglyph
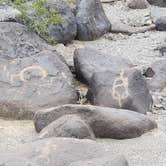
21	74
120	82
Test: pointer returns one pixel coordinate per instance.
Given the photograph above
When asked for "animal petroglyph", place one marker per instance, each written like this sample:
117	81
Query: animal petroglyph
21	74
120	83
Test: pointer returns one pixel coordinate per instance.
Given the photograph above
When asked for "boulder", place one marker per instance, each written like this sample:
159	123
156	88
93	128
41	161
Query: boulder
62	151
91	20
87	61
68	126
61	28
158	80
102	161
104	122
30	83
125	89
137	4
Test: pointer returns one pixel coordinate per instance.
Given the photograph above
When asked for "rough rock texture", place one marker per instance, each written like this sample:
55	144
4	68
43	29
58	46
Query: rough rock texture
120	89
91	20
158	80
16	41
30	83
105	122
102	161
62	151
14	160
62	31
8	13
87	61
137	4
68	126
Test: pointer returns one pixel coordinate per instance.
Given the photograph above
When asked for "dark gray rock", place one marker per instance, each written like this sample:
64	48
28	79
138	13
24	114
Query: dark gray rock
62	151
68	126
87	61
161	23
125	89
14	160
158	81
105	122
161	3
16	41
91	20
102	161
62	30
29	83
137	4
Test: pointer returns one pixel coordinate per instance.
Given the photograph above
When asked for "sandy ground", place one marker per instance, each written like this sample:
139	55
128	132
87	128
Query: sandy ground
147	150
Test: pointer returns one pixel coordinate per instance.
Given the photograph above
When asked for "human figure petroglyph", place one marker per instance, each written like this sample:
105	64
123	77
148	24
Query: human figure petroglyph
21	74
120	82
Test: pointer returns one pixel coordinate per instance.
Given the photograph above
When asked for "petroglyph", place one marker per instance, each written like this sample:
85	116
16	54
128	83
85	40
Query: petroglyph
21	74
45	153
120	83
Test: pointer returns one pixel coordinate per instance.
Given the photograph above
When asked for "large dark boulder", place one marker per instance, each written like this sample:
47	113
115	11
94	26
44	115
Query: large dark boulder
68	126
102	161
91	20
105	122
62	28
30	83
125	89
88	61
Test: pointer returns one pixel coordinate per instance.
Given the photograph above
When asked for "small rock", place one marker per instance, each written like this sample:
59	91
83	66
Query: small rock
68	126
137	4
158	81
